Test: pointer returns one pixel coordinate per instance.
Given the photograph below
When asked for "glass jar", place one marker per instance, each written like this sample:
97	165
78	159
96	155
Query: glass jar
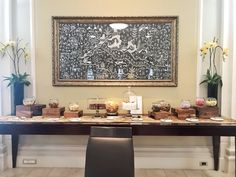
112	107
210	101
161	105
53	103
185	104
29	101
200	101
129	101
127	95
73	106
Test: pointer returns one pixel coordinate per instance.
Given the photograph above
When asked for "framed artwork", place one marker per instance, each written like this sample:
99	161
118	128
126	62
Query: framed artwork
115	51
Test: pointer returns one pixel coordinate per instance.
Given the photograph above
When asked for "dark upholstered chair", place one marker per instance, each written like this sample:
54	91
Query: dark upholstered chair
110	152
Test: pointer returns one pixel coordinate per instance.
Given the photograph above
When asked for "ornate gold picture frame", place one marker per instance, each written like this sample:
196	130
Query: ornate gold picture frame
115	51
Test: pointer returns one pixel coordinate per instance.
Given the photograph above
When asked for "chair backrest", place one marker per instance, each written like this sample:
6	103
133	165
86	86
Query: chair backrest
110	152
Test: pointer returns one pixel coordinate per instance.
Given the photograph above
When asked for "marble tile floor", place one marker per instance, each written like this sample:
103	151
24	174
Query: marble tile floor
76	172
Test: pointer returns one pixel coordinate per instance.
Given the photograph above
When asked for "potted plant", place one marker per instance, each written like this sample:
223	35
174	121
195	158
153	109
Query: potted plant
212	78
16	51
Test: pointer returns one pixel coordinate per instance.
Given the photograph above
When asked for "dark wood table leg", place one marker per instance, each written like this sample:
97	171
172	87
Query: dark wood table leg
14	145
216	151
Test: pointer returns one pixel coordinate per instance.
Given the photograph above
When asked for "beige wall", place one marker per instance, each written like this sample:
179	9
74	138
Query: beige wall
188	18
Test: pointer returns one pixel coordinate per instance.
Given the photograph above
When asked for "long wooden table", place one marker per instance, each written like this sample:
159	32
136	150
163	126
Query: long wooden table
146	127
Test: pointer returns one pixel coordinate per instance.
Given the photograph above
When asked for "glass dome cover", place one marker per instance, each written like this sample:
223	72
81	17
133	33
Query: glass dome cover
129	101
127	95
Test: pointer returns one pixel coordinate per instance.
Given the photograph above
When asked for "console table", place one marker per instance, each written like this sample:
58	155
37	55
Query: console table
40	126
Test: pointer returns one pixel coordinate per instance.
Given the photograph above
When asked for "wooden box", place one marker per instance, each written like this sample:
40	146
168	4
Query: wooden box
207	111
183	113
27	114
71	114
30	110
159	115
53	112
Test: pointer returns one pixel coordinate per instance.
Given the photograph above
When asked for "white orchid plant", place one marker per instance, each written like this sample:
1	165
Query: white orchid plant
15	51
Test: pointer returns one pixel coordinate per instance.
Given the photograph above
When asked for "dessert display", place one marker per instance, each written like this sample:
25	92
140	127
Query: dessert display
129	101
211	101
203	108
183	113
29	110
53	111
206	108
96	104
184	110
73	114
73	111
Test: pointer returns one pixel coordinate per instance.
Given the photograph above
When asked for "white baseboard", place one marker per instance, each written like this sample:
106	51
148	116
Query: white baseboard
3	157
145	157
230	160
